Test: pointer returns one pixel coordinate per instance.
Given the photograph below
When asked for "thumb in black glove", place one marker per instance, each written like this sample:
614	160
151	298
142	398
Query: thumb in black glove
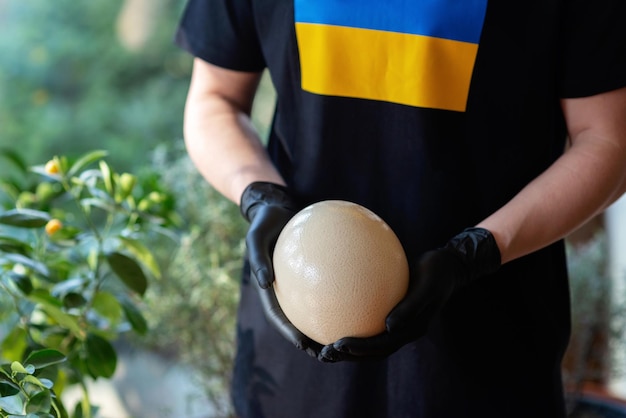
268	207
435	276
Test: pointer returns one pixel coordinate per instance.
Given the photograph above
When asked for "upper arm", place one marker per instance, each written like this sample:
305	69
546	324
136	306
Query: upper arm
210	83
597	129
602	116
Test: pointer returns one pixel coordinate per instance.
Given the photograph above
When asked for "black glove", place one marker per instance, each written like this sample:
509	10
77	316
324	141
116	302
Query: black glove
268	207
434	278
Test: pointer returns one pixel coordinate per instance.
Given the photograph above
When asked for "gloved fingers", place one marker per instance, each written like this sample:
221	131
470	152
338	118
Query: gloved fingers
359	349
430	286
261	238
329	354
279	320
407	321
260	260
411	307
314	348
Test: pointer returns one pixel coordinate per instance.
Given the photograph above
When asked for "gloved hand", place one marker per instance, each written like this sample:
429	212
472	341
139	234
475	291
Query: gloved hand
268	207
435	276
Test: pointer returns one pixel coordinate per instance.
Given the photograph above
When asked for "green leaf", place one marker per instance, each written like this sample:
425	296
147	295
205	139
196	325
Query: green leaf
74	300
87	178
65	320
53	308
47	383
40	402
134	317
90	410
29	263
17	367
14	343
33	380
54	375
44	358
142	254
5	373
108	306
107	176
22	282
12	245
74	284
24	218
98	203
8	388
85	160
129	271
101	356
43	296
12	404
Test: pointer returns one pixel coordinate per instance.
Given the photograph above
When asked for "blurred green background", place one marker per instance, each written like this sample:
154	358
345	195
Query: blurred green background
81	75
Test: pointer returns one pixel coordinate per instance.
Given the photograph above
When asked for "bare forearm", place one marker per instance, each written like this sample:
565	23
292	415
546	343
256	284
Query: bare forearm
581	184
226	149
219	136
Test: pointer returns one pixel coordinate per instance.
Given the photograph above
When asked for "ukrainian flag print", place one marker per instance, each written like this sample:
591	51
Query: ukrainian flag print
413	52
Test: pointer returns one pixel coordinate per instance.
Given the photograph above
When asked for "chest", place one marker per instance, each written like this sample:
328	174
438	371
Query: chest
421	53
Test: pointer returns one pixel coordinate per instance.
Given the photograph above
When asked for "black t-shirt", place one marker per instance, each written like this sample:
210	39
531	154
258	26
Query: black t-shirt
433	114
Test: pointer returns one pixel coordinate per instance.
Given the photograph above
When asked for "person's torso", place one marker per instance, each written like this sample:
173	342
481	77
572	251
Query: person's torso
433	114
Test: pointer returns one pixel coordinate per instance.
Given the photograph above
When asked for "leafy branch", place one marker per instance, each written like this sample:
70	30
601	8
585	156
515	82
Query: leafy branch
74	268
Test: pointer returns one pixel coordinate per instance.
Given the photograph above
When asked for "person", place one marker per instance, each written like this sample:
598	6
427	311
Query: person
483	132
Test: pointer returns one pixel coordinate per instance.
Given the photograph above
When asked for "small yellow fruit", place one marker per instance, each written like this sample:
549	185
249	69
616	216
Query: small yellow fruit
340	269
127	183
53	226
52	167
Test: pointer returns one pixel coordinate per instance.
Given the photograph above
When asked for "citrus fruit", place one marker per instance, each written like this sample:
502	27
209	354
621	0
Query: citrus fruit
53	226
52	167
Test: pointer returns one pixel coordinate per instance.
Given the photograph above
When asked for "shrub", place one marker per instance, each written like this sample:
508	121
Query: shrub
191	310
73	270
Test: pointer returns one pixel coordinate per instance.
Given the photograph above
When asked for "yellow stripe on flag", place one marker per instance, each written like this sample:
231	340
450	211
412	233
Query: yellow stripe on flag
400	68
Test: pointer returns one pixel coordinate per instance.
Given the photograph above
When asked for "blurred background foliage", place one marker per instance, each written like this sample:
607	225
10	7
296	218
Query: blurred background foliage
82	75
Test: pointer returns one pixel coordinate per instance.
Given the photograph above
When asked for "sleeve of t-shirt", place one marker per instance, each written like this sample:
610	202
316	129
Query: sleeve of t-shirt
594	47
221	32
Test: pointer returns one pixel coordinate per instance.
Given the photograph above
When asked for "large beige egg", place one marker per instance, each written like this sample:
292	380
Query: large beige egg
339	271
